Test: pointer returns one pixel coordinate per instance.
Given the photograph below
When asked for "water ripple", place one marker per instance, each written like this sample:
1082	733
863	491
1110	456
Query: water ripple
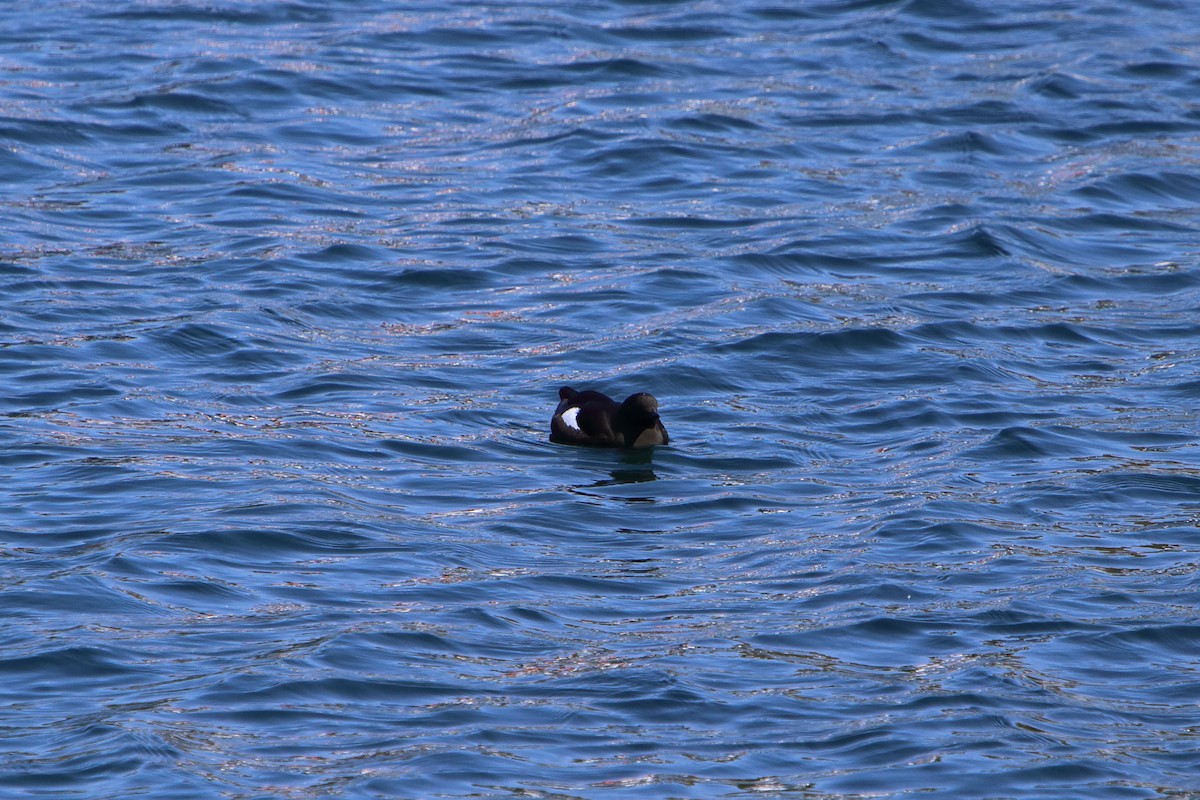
289	294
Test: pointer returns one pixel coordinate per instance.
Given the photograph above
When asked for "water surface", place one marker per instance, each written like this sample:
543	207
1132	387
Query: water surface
288	290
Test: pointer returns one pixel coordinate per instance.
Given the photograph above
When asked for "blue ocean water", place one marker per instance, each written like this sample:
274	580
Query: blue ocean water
287	291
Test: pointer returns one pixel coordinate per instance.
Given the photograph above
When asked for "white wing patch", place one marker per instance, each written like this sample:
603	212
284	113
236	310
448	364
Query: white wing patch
571	418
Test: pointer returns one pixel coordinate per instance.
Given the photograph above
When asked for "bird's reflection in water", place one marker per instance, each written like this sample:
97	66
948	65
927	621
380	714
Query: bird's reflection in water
641	475
635	467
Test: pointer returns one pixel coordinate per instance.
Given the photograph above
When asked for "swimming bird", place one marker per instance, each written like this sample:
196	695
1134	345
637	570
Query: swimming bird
593	418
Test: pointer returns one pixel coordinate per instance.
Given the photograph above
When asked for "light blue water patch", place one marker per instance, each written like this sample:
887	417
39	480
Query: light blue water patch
289	291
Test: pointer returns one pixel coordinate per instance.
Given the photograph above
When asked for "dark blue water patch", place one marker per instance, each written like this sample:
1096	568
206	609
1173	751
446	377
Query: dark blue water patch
1144	190
266	89
582	72
346	253
1187	389
565	244
84	665
1146	487
839	344
978	248
262	544
279	13
1164	281
62	396
331	132
805	260
429	453
332	690
670	33
1101	289
694	223
1025	442
176	101
879	642
198	341
1183	639
439	277
1143	651
42	132
916	298
569	143
441	37
714	124
1063	86
1092	223
913	417
15	168
633	158
971	142
49	598
1172	70
973	13
1143	126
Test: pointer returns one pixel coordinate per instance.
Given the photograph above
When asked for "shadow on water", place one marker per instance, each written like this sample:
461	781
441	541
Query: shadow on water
631	467
637	467
642	475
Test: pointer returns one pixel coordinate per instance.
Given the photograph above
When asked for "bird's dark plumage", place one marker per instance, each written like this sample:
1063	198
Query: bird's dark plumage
592	418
